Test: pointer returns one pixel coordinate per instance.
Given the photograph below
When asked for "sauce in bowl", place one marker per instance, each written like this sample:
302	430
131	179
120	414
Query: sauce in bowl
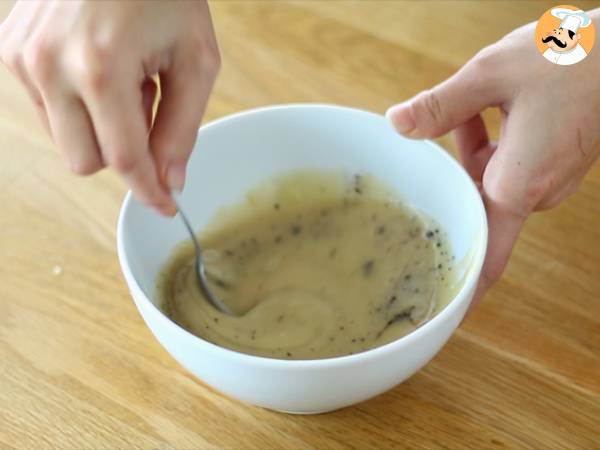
316	264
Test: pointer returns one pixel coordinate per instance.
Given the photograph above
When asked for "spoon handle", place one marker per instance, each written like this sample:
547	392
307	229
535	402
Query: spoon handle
200	272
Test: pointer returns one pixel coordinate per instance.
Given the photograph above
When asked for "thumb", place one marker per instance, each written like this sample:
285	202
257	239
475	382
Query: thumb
436	111
503	230
504	226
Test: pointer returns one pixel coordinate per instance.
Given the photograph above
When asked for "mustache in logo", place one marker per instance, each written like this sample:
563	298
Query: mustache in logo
556	41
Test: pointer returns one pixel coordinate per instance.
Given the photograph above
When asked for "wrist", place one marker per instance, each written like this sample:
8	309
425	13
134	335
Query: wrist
594	15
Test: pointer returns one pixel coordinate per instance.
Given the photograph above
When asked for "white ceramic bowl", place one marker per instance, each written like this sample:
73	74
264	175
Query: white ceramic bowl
235	153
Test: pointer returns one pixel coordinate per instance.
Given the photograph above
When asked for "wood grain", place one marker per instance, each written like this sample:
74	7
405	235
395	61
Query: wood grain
79	369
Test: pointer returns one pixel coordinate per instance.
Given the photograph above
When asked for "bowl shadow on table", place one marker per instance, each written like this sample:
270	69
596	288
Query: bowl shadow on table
439	400
458	399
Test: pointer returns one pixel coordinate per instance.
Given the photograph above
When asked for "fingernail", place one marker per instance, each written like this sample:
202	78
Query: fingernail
170	210
401	118
176	177
167	210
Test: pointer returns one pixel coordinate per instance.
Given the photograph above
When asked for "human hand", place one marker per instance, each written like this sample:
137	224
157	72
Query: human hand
87	67
549	135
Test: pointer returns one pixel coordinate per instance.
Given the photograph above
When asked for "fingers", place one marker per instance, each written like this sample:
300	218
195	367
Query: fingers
474	147
63	114
14	62
504	227
436	111
504	191
74	134
84	66
32	90
185	89
118	117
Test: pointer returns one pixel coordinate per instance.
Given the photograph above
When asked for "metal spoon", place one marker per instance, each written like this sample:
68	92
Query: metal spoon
200	272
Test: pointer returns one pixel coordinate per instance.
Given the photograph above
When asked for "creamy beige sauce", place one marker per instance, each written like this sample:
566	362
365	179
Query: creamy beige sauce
315	264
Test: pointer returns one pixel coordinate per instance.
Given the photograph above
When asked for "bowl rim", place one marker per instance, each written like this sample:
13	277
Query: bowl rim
471	278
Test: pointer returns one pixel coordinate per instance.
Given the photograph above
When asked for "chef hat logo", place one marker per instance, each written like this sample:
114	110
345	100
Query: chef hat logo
565	35
571	20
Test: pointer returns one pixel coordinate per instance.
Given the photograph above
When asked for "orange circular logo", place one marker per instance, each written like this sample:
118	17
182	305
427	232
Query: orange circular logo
565	35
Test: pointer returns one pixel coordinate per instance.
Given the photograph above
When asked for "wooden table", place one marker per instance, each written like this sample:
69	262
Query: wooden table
79	369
